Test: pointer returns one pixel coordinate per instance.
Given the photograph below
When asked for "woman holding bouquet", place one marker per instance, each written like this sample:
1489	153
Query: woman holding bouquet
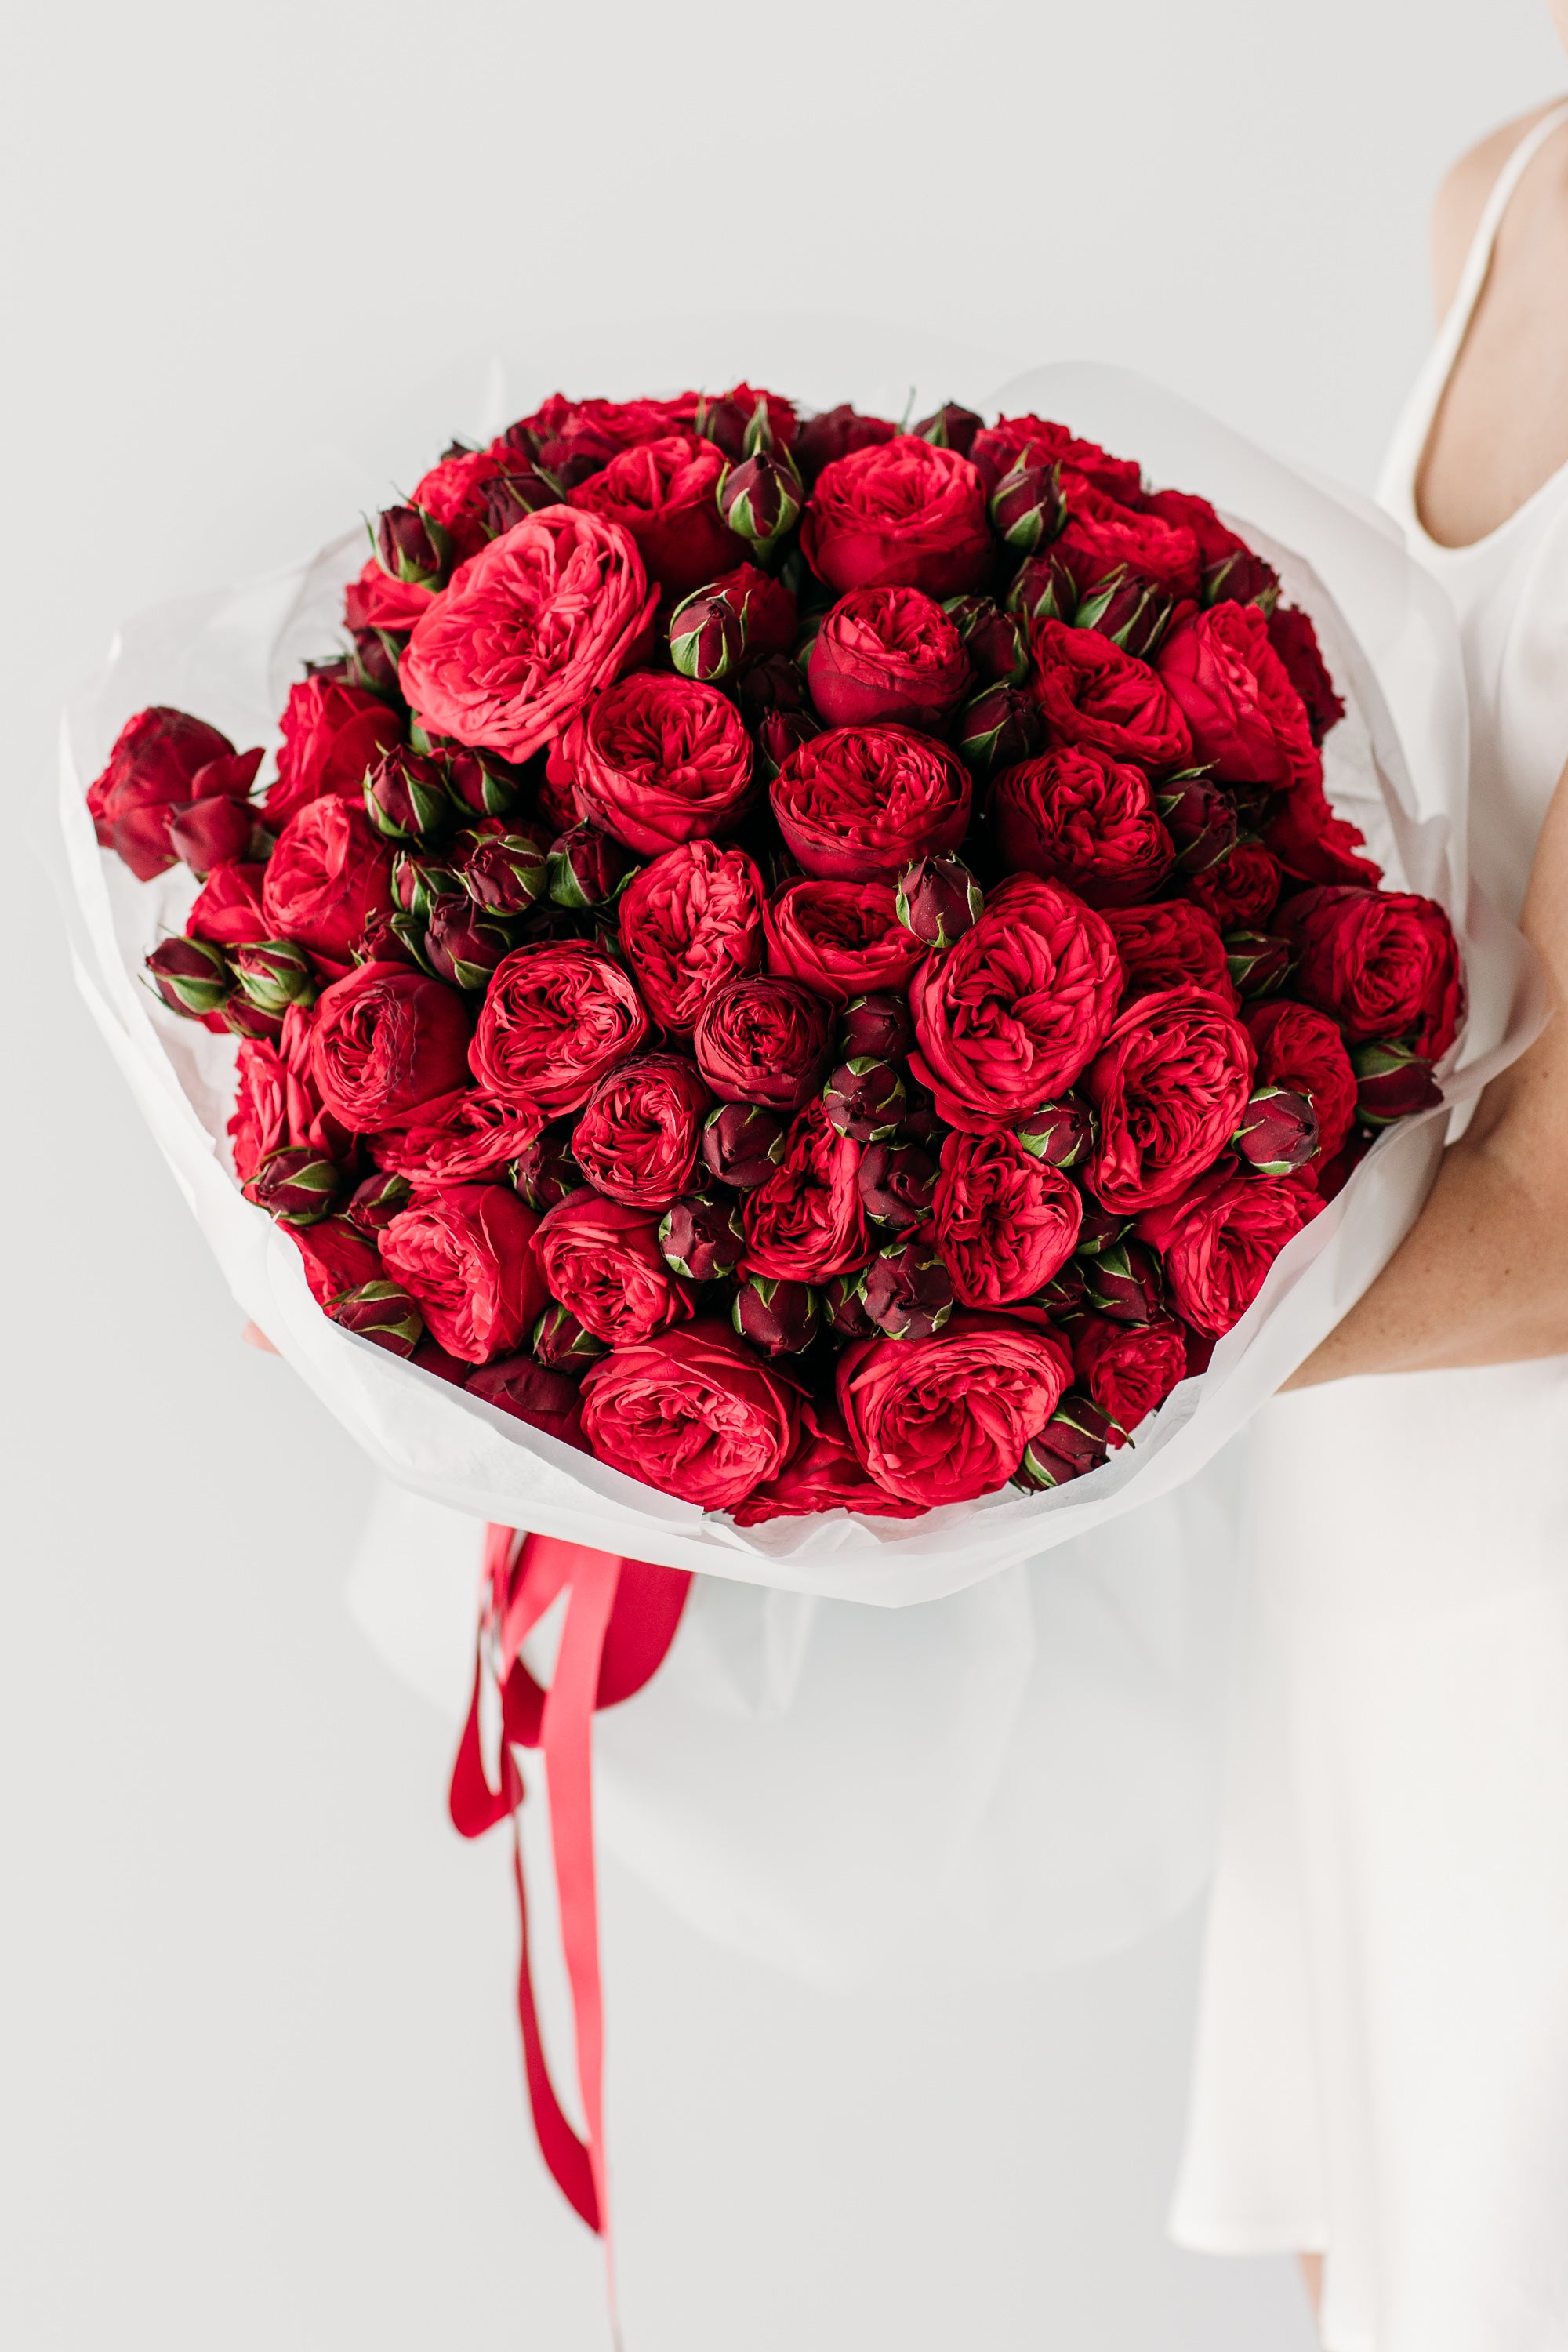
1383	2069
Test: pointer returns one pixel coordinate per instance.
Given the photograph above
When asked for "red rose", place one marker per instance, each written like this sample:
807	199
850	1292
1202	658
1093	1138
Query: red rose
1302	1049
805	1223
1384	963
1089	691
694	1413
332	735
1246	719
665	494
1102	540
1005	1220
1037	441
602	1259
377	601
1220	1238
336	1257
1313	844
527	629
154	766
658	761
465	1255
546	1399
899	514
842	938
861	802
944	1419
574	438
453	494
835	433
1243	887
308	1119
476	1134
558	1017
228	910
1128	1368
822	1474
329	874
690	921
1080	817
887	653
637	1140
259	1122
1228	563
1169	1088
1294	639
1006	1020
385	1042
763	1040
1173	945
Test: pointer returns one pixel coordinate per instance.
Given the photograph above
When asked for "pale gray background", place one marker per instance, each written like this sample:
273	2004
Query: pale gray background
258	2080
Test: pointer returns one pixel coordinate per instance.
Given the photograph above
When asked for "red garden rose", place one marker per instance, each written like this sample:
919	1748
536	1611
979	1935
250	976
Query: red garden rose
690	921
1173	945
1170	1087
465	1255
1243	887
332	734
1313	844
386	1042
1089	691
259	1122
1300	1048
763	1040
899	514
1294	639
822	1474
842	938
1247	721
1080	817
453	494
1128	1368
659	760
602	1259
377	601
160	758
664	493
639	1137
558	1017
574	438
527	630
1384	963
1006	1020
944	1419
336	1258
888	655
1102	540
860	802
476	1134
805	1223
1037	441
694	1413
1225	557
1005	1220
328	875
834	432
228	910
546	1399
1220	1238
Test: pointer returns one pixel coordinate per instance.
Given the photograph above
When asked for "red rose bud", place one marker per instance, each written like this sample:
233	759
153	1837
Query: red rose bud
1027	505
219	831
1066	1292
1391	1081
708	635
546	1399
588	868
482	782
703	1239
562	1344
1100	1229
1278	1131
836	434
1078	1436
742	1144
503	872
243	1019
374	1204
1236	576
907	1291
1259	962
994	641
419	885
864	1099
191	976
405	795
897	1181
876	1027
938	899
949	428
1124	1282
373	664
297	1185
779	1318
381	1312
1000	728
274	974
507	498
1200	818
761	498
464	944
1133	613
846	1309
545	1172
777	712
1044	589
412	546
1062	1133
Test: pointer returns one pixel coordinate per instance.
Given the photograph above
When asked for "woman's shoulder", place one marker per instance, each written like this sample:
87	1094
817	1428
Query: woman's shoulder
1462	198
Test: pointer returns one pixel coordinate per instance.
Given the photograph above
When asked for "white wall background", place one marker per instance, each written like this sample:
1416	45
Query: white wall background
256	2078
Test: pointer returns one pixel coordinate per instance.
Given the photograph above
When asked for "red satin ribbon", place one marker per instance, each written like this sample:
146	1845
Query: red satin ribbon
621	1618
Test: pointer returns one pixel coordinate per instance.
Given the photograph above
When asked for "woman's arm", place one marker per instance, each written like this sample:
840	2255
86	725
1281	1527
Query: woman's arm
1482	1275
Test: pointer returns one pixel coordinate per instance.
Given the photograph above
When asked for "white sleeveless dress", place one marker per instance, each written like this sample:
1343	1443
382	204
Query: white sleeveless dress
1381	2068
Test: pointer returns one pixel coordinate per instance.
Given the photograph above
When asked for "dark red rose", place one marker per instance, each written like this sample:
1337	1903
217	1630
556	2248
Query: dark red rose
1229	567
998	728
1062	1133
822	1474
690	921
659	760
1302	1049
544	1170
1313	844
865	1099
373	1203
545	1398
1246	719
897	1182
1078	1437
664	494
455	494
1103	540
228	910
562	1345
1005	1219
559	1017
938	899
842	938
465	1255
1220	1238
694	1413
1259	963
742	1144
329	874
336	1258
155	765
411	547
1384	963
950	426
836	433
528	630
333	734
1392	1082
477	1134
1170	1087
995	643
1278	1131
1122	1280
702	1238
730	623
877	1025
900	514
861	802
1294	639
217	831
602	1259
907	1290
1201	819
1008	1018
945	1419
1088	691
258	1123
763	1040
1173	945
1241	888
805	1222
1128	1368
637	1138
383	1313
888	655
1080	817
776	1318
386	1041
997	450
